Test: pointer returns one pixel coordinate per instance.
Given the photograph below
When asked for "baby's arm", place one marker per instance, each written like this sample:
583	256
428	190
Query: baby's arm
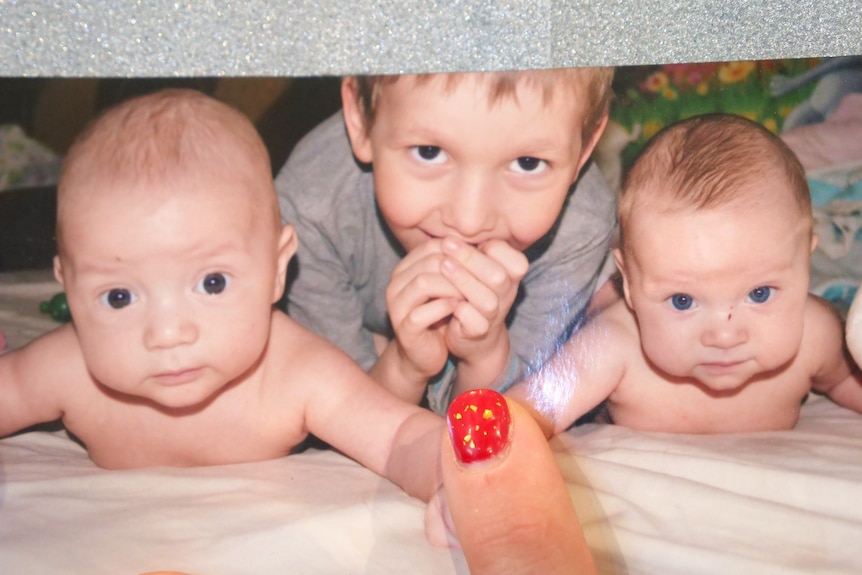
31	380
585	372
347	409
838	377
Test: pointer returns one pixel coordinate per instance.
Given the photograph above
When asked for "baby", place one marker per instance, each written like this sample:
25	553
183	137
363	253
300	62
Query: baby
171	254
717	332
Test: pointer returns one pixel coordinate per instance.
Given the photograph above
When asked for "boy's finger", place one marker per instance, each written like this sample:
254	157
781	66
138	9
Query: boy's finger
403	299
409	268
512	260
472	323
426	316
471	288
479	264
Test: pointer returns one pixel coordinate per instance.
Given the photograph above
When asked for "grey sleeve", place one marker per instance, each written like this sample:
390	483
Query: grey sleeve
561	282
321	295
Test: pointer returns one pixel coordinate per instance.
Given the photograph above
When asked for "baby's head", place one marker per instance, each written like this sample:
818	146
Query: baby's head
478	156
712	161
159	145
716	238
170	246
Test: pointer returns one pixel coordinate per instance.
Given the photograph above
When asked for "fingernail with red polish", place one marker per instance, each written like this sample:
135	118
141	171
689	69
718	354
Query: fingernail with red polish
479	424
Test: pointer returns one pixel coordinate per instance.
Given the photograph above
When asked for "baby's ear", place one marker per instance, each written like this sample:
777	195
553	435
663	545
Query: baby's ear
58	270
619	260
814	239
355	121
287	244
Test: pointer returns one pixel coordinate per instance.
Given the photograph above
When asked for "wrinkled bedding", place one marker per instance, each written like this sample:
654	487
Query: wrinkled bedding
778	502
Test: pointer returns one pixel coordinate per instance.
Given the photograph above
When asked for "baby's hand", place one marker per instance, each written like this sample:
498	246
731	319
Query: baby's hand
420	301
487	279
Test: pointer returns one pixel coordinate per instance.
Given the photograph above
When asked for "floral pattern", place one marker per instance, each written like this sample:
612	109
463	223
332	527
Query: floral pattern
650	98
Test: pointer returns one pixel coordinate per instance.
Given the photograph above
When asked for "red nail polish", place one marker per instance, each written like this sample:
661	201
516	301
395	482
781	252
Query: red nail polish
479	424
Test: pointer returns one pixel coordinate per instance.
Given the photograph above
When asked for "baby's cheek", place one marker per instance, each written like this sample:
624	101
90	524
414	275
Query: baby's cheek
778	346
665	353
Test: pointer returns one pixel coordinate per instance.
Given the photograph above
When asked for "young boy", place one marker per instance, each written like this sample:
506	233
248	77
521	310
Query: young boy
172	253
718	332
443	237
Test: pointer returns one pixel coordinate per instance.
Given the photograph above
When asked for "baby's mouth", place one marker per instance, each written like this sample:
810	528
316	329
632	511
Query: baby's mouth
178	377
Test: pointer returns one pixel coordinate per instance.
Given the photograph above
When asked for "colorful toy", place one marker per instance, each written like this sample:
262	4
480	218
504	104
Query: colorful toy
57	307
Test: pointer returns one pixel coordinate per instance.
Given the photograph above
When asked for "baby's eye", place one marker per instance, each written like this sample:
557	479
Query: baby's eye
213	284
429	154
529	165
118	298
760	294
681	301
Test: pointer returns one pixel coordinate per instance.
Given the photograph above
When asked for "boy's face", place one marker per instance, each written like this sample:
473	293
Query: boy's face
719	294
449	162
171	295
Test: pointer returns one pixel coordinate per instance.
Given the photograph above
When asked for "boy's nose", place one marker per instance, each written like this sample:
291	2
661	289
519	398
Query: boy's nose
725	331
168	327
471	210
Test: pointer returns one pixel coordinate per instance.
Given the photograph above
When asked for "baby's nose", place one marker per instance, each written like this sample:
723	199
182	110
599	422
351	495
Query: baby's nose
725	331
167	327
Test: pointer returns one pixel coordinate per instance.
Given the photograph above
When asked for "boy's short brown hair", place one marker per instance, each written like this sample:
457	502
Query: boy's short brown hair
597	82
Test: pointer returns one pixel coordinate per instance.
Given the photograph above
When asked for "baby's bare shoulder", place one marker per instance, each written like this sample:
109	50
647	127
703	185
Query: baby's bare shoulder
53	359
824	329
615	329
300	360
43	380
291	342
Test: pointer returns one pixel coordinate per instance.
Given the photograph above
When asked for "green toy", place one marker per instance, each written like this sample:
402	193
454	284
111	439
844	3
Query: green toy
57	307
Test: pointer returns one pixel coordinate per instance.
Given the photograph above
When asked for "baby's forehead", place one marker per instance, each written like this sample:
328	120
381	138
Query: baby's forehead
234	202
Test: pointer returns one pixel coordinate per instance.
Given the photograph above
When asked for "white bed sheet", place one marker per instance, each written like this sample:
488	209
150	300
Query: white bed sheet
777	502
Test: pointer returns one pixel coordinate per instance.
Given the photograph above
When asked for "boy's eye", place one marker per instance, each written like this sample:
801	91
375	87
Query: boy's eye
681	301
529	164
213	284
429	154
760	294
118	298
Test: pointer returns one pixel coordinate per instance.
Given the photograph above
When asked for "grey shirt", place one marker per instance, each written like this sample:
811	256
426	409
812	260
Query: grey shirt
346	256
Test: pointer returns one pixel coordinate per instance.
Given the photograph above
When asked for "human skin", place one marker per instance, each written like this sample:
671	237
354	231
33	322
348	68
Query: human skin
175	355
717	332
510	509
465	185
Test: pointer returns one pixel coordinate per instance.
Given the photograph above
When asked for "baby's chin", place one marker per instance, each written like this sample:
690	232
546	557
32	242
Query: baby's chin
176	400
718	381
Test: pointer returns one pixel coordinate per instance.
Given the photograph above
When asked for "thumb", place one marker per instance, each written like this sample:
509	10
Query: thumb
509	503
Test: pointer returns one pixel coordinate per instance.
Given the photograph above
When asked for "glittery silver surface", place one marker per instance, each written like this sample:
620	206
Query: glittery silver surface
333	37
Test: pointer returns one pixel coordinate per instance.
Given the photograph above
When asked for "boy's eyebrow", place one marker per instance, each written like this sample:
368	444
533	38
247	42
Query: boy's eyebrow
532	145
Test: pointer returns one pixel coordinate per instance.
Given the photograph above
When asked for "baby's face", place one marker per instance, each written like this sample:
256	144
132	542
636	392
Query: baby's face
448	162
719	294
170	296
